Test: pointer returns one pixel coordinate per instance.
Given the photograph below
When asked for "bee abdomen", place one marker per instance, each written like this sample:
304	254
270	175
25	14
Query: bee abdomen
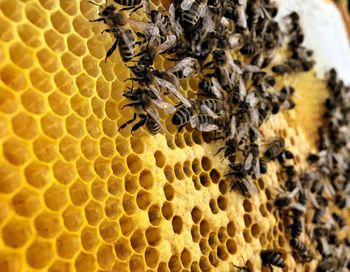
125	46
298	245
152	126
191	16
181	116
128	3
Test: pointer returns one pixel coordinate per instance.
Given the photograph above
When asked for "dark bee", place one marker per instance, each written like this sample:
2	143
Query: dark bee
124	37
271	258
246	187
251	47
281	69
274	149
339	219
146	102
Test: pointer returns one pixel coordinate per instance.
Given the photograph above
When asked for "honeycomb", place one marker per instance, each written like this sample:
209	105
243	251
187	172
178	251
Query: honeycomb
79	195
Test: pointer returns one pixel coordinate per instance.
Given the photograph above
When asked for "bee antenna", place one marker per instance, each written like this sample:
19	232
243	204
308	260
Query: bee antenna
95	4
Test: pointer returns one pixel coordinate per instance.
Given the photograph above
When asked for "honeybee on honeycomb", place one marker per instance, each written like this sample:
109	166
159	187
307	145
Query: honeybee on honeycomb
80	192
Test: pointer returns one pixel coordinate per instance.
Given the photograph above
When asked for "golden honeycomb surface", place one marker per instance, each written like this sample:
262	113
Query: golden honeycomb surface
76	194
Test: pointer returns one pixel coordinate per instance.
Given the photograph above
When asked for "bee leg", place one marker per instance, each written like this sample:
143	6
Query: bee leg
108	30
139	124
112	49
99	20
208	64
271	268
220	149
131	104
128	122
180	128
127	8
135	9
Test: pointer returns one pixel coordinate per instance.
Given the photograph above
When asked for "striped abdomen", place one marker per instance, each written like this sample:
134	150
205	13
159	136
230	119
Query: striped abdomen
126	45
128	3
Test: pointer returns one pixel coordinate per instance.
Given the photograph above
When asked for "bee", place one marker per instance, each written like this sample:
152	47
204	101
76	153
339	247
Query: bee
274	149
202	121
285	200
271	257
251	47
247	188
281	69
318	214
154	79
116	23
322	246
144	101
226	71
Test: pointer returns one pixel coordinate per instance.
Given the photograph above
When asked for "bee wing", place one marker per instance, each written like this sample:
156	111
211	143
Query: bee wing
194	120
242	130
170	87
185	63
235	40
242	18
207	110
127	41
251	99
217	89
170	109
242	89
254	117
250	186
207	127
146	6
257	168
155	90
248	161
154	115
169	42
187	4
233	128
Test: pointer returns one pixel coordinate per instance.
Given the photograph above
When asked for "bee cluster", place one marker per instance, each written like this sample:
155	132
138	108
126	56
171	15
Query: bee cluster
322	190
229	47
